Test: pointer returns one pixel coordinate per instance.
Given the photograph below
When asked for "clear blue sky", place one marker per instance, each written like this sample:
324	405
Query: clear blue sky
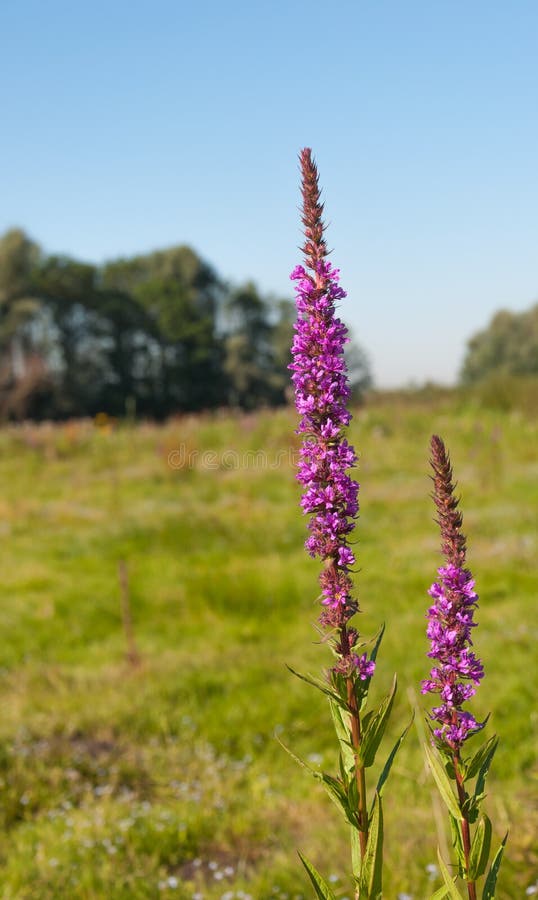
128	126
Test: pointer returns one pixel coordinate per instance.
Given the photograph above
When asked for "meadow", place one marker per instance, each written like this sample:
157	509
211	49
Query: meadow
165	777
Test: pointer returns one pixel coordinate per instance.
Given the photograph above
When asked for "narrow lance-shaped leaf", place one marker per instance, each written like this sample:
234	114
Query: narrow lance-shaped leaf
457	843
334	788
375	729
440	894
353	798
484	769
388	765
451	888
356	859
342	732
319	684
377	643
486	750
478	858
491	881
371	877
322	889
442	781
338	794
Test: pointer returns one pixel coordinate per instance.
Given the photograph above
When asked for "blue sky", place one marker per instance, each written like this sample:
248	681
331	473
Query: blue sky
128	126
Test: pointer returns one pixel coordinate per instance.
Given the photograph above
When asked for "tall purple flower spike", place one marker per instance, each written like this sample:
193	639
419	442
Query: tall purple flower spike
321	394
450	618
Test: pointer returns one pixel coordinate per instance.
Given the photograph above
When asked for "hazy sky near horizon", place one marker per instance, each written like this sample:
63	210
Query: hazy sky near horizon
130	126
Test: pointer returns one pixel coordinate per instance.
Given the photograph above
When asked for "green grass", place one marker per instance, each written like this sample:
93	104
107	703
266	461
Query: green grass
168	780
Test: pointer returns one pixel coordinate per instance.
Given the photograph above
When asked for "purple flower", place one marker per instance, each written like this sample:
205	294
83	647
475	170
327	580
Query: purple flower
450	618
321	394
365	667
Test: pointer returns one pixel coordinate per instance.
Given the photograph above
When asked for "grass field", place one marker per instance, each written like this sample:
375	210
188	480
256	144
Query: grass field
166	779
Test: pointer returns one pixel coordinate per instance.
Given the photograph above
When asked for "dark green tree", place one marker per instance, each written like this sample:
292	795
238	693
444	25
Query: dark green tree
182	294
130	351
102	347
71	333
250	352
21	370
509	345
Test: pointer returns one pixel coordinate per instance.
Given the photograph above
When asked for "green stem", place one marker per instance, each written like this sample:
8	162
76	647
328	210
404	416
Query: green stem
465	827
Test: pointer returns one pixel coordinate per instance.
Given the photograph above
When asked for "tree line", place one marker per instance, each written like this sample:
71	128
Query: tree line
153	334
163	333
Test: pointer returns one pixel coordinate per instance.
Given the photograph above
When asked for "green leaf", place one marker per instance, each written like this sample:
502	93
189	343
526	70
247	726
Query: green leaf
451	888
388	765
473	767
491	881
375	729
338	795
440	894
333	786
442	780
457	843
353	797
356	859
344	774
378	639
322	889
320	685
339	685
484	769
371	877
297	759
479	855
471	807
366	719
343	734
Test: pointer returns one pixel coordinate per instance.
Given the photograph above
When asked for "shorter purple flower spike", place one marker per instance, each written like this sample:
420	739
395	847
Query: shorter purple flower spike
450	618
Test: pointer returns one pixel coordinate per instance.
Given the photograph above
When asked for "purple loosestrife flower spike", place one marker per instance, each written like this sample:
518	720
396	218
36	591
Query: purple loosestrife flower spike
457	671
330	498
321	393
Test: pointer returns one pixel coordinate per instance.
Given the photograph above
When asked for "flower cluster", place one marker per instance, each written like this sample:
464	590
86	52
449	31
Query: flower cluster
321	392
458	670
450	618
